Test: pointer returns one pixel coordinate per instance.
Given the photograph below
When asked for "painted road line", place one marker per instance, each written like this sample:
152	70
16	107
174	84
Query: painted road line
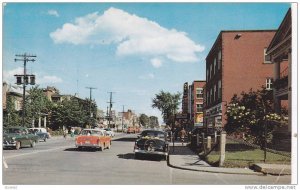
36	152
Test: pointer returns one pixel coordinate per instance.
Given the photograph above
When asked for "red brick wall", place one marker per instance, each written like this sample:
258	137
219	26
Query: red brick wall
243	62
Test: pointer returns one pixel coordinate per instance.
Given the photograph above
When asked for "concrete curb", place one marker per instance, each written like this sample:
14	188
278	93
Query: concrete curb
214	169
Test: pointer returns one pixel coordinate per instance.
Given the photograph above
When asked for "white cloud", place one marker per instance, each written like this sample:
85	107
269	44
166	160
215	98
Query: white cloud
156	62
8	76
53	13
48	80
133	35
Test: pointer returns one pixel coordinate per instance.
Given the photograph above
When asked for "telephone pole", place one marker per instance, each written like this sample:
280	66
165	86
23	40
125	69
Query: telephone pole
91	88
122	118
110	106
25	58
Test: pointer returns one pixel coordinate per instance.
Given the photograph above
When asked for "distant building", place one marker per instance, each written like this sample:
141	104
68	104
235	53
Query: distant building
235	63
192	105
196	103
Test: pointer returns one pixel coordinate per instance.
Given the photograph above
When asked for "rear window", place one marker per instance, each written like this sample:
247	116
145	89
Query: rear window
158	134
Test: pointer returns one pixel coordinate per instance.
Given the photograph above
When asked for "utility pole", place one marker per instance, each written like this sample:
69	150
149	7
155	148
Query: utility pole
25	58
90	109
91	88
122	118
110	106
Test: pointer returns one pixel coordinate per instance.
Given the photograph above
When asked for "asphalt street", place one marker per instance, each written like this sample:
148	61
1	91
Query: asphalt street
58	162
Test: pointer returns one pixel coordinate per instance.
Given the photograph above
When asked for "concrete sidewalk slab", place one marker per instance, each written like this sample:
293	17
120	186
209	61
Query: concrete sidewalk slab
273	169
181	157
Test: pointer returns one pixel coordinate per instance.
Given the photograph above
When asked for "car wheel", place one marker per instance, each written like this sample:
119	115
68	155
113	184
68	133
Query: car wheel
32	144
101	148
18	145
79	148
45	139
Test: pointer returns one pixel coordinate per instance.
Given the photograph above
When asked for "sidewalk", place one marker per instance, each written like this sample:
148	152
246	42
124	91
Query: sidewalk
184	158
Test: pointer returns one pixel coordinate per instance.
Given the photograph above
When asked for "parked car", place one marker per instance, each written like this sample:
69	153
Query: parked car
130	130
17	137
93	138
41	132
151	142
110	132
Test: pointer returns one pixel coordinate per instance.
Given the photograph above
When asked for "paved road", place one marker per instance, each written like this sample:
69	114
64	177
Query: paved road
57	162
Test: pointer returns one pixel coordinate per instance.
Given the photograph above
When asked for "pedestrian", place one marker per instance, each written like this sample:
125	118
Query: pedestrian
72	132
182	134
65	133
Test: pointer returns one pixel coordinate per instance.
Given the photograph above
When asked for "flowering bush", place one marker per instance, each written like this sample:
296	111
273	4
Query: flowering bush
253	115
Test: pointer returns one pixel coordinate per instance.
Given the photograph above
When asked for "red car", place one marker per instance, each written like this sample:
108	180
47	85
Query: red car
93	138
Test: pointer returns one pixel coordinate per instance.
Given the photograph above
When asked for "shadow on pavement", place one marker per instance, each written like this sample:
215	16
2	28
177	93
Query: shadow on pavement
81	150
141	157
126	139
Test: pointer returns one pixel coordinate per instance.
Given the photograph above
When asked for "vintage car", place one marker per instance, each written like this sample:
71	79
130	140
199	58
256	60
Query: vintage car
40	132
151	142
93	138
110	132
17	137
130	130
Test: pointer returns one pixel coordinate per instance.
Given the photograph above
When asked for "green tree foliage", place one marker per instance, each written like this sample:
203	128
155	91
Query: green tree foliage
11	117
37	105
252	114
153	122
144	120
73	112
168	104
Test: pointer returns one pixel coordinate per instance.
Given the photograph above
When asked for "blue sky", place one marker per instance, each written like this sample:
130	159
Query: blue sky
132	49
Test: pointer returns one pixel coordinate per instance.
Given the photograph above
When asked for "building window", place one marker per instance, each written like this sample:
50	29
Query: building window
210	73
211	95
207	74
215	65
207	97
269	84
199	93
199	107
215	92
219	59
267	58
219	89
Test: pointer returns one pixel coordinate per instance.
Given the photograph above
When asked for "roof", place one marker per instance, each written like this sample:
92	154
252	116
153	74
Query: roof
231	31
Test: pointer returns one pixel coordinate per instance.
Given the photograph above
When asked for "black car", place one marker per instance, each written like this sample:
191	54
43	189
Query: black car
152	142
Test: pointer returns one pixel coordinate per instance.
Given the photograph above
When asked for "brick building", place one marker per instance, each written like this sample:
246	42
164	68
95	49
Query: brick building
235	63
193	104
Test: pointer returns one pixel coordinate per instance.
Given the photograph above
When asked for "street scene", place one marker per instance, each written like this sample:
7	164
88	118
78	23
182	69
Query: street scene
149	94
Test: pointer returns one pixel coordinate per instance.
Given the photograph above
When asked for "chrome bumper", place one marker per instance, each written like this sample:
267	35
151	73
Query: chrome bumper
150	152
87	145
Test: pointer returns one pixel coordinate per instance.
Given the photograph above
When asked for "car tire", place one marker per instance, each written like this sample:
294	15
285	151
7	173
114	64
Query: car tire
79	148
18	145
45	139
101	147
32	144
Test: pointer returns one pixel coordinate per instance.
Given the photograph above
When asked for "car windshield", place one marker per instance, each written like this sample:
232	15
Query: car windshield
91	132
14	130
158	134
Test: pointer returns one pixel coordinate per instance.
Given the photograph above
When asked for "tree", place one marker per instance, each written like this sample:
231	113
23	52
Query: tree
37	104
144	120
168	104
153	122
11	117
253	115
